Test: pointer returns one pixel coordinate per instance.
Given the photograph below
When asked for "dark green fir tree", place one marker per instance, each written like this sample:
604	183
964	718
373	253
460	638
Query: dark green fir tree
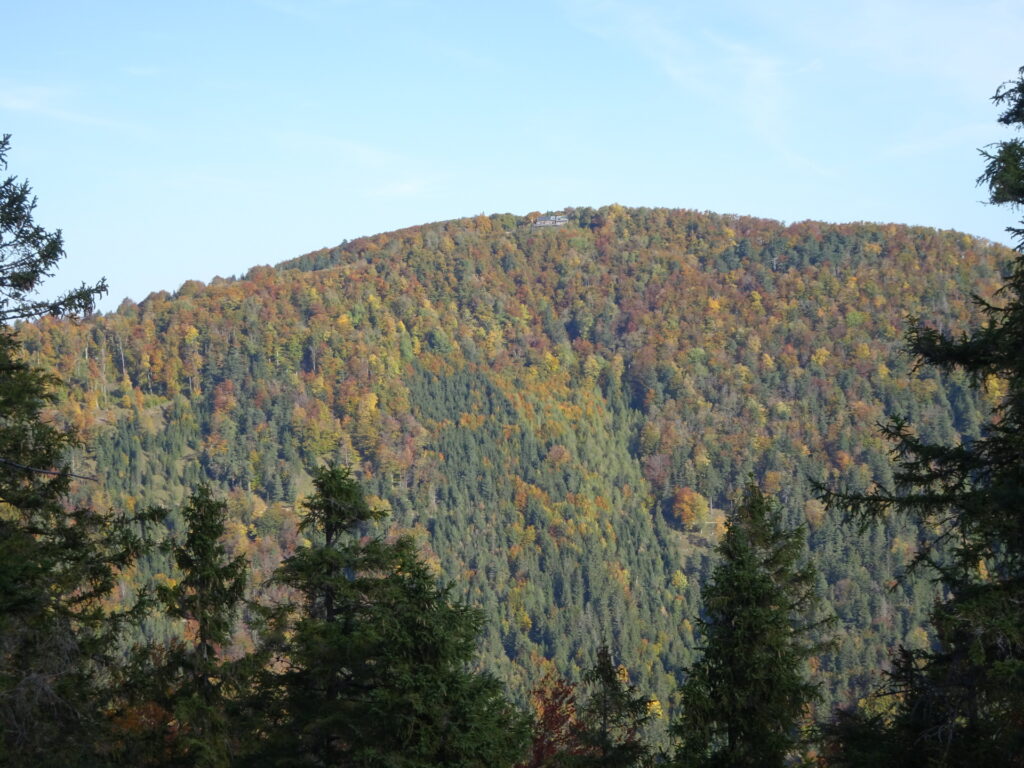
743	701
961	702
374	666
611	718
58	564
190	682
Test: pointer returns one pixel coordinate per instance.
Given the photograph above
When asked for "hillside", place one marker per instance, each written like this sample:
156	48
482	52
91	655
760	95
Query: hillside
559	414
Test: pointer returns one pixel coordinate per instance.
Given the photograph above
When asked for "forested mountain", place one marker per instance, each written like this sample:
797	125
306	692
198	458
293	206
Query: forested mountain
558	414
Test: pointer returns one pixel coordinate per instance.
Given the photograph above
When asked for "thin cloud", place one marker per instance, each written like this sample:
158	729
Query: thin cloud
41	102
760	87
732	78
941	39
935	39
649	31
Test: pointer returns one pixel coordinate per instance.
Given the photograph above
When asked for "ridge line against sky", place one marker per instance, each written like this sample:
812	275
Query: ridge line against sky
183	141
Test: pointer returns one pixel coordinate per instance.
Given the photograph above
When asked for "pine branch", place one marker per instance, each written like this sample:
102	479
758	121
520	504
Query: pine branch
16	465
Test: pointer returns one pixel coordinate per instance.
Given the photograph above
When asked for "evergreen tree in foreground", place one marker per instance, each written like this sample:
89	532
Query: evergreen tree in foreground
58	642
374	669
29	254
962	702
742	703
189	685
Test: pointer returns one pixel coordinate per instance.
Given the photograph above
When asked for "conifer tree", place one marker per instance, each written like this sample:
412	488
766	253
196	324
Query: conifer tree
29	254
374	671
194	682
611	719
962	701
743	700
58	565
58	641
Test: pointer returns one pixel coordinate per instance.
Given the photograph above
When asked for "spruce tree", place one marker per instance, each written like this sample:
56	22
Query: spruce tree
742	702
611	720
190	682
29	254
962	701
373	669
59	643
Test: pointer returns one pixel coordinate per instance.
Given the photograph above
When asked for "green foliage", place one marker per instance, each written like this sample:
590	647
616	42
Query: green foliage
29	254
611	719
374	669
191	681
1004	167
59	640
961	701
742	702
211	586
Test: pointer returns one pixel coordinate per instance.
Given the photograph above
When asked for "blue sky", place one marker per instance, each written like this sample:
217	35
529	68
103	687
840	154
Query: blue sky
184	140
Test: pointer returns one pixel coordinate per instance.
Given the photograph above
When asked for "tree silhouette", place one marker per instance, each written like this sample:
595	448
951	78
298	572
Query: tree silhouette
962	701
374	671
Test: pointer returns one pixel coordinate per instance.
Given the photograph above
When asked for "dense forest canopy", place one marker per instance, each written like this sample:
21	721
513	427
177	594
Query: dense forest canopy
557	415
